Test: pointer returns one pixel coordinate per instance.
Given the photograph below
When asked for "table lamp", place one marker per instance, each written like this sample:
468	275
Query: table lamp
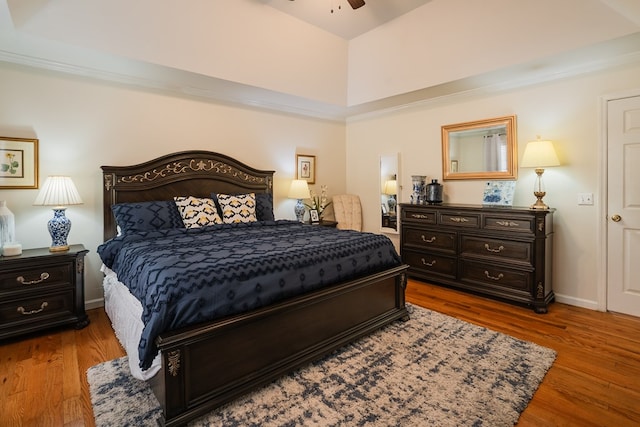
539	154
59	192
299	190
391	189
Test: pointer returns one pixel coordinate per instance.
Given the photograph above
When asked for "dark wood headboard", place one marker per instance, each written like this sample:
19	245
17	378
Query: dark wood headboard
186	173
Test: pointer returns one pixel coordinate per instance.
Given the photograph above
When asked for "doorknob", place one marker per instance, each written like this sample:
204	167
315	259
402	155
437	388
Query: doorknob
616	218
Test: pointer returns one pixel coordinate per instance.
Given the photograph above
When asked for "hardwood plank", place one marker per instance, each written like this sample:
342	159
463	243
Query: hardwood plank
595	380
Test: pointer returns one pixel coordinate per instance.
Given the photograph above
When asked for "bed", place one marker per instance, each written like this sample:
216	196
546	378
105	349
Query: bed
208	363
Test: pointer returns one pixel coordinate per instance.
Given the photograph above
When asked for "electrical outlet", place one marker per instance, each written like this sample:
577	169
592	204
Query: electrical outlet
585	198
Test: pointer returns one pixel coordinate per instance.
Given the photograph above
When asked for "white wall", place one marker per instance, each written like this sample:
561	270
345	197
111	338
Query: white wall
82	124
565	111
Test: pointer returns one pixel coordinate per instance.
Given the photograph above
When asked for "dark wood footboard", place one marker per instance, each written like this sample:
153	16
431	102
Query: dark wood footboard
208	365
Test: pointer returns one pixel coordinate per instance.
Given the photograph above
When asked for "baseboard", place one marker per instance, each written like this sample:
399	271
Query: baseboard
578	302
94	303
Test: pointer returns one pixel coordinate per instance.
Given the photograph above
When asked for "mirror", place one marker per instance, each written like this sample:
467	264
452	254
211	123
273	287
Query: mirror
484	149
389	192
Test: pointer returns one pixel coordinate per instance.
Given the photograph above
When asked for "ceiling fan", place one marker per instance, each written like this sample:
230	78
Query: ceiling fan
354	3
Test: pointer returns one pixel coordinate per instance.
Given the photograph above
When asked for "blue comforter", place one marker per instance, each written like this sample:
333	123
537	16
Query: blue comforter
186	276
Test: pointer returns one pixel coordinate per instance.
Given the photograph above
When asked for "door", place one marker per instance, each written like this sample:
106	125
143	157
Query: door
623	204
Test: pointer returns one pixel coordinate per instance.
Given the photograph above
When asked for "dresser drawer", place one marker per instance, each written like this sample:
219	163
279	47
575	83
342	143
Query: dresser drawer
35	277
36	308
425	238
517	224
505	250
458	219
429	263
419	215
494	276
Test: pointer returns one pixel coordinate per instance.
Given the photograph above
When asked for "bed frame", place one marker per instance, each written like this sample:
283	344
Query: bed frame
207	365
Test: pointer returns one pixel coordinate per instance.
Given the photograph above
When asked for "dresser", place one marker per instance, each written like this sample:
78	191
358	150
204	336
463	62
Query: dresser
41	289
499	252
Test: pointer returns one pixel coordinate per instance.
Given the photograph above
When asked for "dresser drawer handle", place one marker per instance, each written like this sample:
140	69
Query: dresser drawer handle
458	219
497	251
43	276
428	264
498	277
21	310
419	216
431	240
507	223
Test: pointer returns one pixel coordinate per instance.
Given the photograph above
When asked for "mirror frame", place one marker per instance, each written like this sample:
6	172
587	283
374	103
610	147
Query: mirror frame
390	165
512	149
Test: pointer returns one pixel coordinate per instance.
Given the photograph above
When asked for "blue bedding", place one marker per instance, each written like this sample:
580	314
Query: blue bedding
186	276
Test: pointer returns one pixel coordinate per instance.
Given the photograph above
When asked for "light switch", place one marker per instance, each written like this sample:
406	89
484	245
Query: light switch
585	198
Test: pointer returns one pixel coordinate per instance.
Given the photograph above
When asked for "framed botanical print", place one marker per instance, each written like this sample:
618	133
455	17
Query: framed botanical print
18	163
306	168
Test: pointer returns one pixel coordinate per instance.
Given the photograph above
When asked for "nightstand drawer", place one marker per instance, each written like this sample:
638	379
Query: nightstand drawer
25	279
41	307
505	250
429	239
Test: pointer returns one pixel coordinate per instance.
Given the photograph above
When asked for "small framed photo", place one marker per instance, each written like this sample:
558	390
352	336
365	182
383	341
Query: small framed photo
18	163
499	193
314	215
385	210
454	166
306	168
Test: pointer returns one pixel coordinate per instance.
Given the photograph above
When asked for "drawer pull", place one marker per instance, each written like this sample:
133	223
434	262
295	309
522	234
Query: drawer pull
21	310
507	223
496	251
431	240
458	219
498	277
428	264
419	216
43	276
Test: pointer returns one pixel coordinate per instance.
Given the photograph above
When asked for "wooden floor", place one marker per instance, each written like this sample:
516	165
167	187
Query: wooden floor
595	380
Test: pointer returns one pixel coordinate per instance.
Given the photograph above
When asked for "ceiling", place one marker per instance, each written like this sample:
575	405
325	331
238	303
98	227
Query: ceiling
337	16
605	34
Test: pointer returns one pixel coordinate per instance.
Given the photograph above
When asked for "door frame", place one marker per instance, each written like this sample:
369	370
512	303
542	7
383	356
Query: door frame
602	235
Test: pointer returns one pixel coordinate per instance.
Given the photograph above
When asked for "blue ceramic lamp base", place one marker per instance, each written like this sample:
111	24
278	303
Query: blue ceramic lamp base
59	227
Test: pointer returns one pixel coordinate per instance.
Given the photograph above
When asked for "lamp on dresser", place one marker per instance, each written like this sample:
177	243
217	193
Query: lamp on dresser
299	190
391	190
539	154
59	192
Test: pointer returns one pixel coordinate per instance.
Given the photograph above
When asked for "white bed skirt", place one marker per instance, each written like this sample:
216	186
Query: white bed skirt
125	312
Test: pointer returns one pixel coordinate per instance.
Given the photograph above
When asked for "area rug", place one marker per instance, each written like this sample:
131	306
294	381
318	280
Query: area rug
431	370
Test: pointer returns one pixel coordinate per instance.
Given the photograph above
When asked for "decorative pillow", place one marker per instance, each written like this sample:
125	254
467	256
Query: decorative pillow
239	208
146	216
264	206
196	212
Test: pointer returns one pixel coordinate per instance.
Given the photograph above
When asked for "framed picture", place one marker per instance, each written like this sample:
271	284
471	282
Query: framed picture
314	215
499	193
306	168
454	166
18	163
385	210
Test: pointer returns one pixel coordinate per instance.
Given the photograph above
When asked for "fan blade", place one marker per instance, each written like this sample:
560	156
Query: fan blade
356	3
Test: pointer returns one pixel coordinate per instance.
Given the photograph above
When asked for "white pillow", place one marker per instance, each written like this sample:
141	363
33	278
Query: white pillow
196	212
238	208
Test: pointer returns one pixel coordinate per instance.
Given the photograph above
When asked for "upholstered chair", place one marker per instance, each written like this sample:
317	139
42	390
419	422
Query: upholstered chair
348	211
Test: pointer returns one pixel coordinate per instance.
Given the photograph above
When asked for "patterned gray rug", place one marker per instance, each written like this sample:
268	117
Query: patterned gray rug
432	370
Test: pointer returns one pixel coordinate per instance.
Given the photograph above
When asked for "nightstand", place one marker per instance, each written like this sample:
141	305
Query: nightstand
41	289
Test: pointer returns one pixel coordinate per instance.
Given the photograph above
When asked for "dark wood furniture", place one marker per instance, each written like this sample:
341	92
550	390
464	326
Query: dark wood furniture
41	289
212	363
325	223
500	252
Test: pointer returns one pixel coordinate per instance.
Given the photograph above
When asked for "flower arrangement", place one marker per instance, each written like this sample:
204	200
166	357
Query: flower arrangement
319	203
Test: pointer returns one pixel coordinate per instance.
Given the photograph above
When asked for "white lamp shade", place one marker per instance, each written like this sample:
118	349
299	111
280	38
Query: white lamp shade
390	187
299	189
539	154
58	191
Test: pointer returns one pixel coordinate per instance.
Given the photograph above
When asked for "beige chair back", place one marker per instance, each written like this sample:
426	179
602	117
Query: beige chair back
348	211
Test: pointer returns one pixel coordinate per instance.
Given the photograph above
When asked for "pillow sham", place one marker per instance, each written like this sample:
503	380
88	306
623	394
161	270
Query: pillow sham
238	208
264	206
197	212
146	216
